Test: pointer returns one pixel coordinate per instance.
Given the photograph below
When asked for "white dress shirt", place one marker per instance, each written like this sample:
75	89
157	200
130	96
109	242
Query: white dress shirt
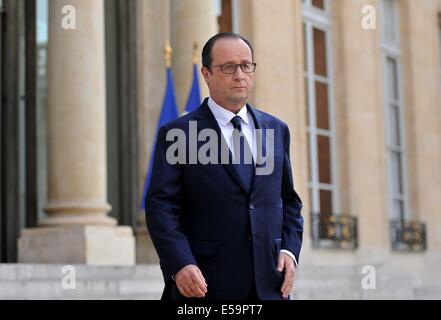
223	118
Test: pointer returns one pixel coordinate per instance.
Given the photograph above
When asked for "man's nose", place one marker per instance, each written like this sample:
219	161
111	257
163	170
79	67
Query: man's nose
239	74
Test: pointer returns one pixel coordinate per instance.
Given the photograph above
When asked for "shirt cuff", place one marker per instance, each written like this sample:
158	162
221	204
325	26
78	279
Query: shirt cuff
291	255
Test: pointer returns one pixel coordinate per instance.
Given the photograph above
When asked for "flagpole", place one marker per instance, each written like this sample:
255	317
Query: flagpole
168	56
194	97
195	53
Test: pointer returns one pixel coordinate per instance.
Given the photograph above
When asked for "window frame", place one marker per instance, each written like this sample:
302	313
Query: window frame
392	51
307	6
319	19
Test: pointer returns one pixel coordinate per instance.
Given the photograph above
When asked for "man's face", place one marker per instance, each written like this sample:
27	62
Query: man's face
229	90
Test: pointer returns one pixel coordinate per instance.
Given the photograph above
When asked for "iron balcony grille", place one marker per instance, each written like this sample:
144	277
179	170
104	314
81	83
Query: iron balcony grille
334	231
407	235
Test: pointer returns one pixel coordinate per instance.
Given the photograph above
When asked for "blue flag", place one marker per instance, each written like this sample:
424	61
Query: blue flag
169	113
194	98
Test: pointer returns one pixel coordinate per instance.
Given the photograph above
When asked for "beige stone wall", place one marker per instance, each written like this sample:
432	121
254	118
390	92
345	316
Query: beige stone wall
421	82
359	119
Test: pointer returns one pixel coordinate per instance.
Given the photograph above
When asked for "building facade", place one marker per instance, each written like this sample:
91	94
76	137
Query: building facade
357	82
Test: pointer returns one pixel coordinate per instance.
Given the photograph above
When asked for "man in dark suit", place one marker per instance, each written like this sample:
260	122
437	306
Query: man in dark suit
224	230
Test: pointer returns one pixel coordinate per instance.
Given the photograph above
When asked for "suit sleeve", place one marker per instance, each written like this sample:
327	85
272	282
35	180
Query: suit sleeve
292	205
163	208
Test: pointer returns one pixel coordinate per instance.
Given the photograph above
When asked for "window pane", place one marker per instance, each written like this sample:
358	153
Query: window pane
324	158
326	201
396	172
394	125
307	103
319	52
217	8
311	200
321	99
224	15
392	79
318	4
41	102
310	164
398	209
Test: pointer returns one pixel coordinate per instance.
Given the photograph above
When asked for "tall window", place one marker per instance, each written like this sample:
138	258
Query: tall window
394	110
226	13
320	124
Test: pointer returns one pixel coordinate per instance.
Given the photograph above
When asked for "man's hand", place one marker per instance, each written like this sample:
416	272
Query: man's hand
285	262
190	282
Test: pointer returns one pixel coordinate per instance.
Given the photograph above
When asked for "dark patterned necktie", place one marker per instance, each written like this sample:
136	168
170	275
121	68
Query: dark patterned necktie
242	153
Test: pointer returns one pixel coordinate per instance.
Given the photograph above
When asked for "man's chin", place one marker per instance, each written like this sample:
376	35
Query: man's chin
239	99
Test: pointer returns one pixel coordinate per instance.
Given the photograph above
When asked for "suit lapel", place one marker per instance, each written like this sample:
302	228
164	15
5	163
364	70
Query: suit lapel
206	120
262	124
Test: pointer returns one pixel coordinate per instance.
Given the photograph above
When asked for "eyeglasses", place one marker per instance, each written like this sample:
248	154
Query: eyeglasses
230	68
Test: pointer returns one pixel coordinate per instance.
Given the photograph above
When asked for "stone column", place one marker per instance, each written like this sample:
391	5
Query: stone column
359	116
153	34
422	114
77	228
192	21
420	69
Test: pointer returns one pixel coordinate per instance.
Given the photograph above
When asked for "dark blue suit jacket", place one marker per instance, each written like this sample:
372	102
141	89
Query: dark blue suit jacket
202	214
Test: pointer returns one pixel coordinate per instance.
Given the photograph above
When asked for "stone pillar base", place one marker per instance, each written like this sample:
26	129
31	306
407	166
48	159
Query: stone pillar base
93	245
145	251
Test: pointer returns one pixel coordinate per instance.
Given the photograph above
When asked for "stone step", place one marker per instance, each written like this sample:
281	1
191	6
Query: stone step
428	292
40	289
23	272
22	281
325	294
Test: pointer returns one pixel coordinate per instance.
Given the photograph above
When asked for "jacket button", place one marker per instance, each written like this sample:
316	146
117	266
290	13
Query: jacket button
250	237
252	205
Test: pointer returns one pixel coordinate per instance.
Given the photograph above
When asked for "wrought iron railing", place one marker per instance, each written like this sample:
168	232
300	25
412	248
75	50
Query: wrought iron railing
334	231
407	235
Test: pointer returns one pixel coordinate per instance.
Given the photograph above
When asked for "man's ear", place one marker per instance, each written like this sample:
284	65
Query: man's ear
205	73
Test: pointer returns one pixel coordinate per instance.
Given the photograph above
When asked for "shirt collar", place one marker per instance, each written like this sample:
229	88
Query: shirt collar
224	116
